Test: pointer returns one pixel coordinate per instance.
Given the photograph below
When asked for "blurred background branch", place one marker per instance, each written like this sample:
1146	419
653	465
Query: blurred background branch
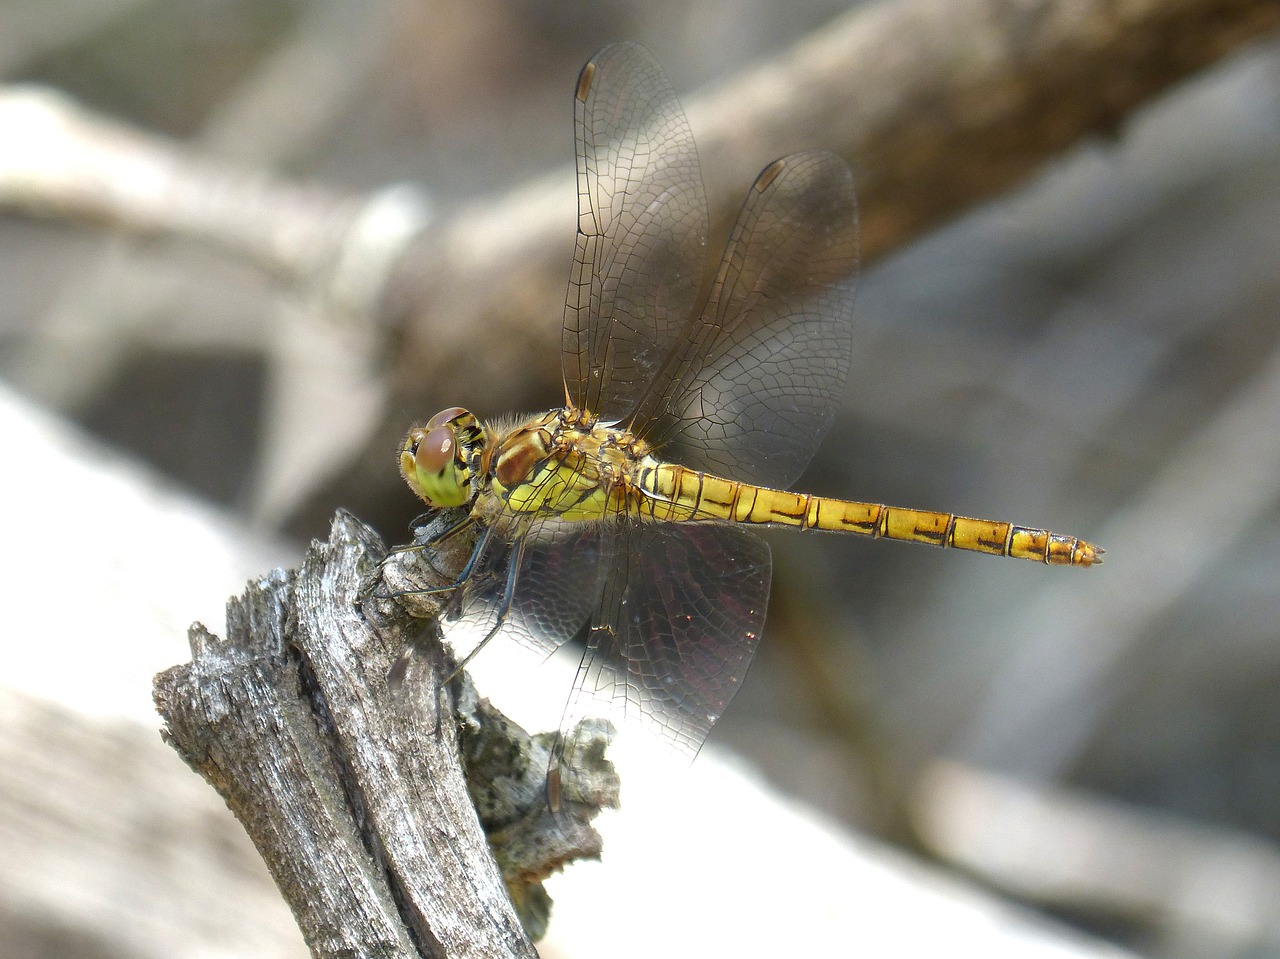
975	96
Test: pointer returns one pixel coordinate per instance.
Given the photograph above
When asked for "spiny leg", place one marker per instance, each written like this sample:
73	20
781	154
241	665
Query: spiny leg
396	676
504	606
451	610
380	592
436	539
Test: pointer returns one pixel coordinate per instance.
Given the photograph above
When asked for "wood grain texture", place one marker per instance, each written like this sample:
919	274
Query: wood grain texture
354	792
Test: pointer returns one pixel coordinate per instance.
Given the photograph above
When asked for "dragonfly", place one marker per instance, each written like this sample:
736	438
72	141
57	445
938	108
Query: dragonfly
627	515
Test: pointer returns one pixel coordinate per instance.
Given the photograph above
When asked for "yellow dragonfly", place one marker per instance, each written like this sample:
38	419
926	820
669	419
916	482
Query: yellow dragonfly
625	515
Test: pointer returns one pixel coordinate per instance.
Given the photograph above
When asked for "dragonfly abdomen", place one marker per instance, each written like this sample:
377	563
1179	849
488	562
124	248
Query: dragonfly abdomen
678	494
994	537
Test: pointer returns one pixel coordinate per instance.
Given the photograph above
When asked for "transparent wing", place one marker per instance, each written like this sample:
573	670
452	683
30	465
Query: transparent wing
538	587
642	225
681	613
751	387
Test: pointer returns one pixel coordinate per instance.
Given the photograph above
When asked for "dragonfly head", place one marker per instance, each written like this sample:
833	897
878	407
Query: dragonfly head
440	460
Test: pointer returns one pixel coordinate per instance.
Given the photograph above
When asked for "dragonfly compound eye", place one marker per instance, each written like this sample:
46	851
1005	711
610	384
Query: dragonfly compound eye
433	465
450	415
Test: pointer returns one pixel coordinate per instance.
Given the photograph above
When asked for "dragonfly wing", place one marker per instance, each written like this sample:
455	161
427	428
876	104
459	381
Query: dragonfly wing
558	571
752	387
681	612
642	225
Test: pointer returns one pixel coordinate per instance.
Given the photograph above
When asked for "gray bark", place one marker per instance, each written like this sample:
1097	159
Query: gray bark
355	789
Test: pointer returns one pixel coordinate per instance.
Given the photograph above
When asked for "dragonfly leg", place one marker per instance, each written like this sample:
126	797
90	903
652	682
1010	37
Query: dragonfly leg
504	605
437	538
399	669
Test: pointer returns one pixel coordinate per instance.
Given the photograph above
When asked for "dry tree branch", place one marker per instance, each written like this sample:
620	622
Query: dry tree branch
61	160
937	105
356	793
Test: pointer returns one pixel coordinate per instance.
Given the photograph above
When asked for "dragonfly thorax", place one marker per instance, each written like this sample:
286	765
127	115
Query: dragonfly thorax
564	464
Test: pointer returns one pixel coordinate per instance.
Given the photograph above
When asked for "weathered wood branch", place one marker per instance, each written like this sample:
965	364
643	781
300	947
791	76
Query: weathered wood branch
354	790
